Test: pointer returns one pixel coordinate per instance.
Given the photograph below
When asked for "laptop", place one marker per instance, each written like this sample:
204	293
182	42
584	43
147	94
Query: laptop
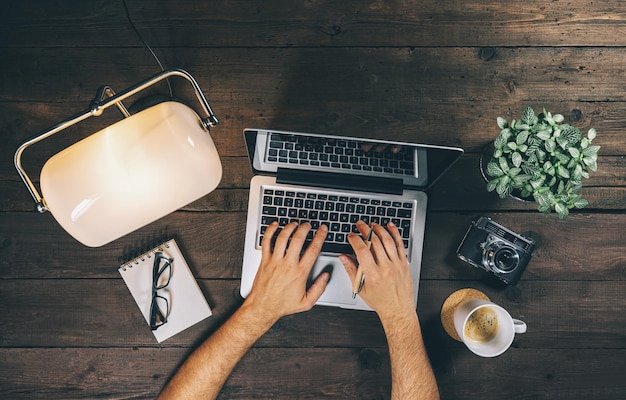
337	180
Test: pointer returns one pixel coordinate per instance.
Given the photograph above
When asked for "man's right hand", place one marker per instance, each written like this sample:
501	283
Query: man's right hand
388	287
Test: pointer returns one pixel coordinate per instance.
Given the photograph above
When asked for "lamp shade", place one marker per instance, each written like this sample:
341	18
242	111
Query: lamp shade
131	173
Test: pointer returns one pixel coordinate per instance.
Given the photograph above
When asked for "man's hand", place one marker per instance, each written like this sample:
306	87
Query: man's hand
280	286
388	287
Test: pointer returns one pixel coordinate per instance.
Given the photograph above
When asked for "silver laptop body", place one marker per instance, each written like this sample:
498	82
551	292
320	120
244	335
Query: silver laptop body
337	180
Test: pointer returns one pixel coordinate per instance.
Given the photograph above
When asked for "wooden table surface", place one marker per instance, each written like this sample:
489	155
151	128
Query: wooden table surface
427	71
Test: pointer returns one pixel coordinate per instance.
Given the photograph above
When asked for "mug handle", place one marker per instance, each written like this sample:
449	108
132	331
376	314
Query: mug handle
520	326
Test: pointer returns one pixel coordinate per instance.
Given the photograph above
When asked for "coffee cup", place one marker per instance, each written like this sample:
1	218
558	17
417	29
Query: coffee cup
486	328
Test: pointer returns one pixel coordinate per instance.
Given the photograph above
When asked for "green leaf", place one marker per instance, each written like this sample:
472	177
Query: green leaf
550	145
572	163
500	141
547	166
504	166
512	145
491	185
591	151
588	160
520	179
528	116
531	169
578	172
571	133
581	203
545	208
593	166
536	184
553	180
544	135
591	134
522	137
541	155
514	171
494	170
558	118
563	142
562	158
573	151
502	188
543	200
561	210
584	143
502	123
516	158
506	133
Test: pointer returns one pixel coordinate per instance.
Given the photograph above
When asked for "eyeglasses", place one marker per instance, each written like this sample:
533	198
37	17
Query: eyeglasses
161	275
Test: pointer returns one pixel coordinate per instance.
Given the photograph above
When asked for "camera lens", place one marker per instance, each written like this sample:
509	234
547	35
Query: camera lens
499	257
505	259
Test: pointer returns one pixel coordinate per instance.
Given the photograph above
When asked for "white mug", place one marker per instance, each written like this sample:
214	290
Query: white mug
486	328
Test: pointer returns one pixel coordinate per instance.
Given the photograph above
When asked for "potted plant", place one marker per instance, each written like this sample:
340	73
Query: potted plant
541	158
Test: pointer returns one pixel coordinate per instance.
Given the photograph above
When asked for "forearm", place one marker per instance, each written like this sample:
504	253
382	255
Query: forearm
412	376
203	374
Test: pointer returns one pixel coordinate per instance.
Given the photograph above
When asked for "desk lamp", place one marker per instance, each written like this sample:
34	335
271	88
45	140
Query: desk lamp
131	173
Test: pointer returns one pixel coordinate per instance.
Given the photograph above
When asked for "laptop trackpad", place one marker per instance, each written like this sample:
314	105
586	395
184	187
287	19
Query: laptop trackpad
339	288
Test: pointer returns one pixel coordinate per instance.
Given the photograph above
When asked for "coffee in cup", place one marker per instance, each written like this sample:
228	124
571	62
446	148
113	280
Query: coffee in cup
486	328
482	325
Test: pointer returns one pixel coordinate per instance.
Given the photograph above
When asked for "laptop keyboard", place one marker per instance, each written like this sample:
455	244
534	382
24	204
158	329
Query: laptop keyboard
344	154
338	212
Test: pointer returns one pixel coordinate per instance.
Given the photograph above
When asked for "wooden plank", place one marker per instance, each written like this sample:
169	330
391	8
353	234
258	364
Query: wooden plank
101	313
322	23
313	373
383	93
212	244
584	246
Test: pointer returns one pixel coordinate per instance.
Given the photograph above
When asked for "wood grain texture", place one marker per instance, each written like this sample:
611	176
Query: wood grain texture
318	23
427	71
356	373
106	316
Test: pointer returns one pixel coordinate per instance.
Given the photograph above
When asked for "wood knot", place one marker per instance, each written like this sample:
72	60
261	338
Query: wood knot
369	359
486	53
510	86
576	115
332	31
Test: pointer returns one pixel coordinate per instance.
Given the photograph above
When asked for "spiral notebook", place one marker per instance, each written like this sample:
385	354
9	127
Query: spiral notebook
187	304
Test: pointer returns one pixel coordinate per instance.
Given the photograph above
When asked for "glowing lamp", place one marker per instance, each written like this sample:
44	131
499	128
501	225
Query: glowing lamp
131	173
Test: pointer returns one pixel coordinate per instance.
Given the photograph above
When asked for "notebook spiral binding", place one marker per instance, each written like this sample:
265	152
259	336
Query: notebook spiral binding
142	253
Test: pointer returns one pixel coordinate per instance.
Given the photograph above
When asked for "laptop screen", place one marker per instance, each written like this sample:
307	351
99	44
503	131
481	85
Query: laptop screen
416	166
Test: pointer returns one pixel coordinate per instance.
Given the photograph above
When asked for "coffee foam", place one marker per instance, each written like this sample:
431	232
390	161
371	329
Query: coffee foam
482	325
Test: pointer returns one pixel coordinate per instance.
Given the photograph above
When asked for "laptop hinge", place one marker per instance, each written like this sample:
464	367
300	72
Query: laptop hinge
339	181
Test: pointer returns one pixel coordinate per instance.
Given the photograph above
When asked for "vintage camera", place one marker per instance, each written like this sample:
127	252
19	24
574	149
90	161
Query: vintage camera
492	247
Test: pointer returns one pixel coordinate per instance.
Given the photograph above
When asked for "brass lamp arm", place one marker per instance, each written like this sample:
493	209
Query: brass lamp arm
97	106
